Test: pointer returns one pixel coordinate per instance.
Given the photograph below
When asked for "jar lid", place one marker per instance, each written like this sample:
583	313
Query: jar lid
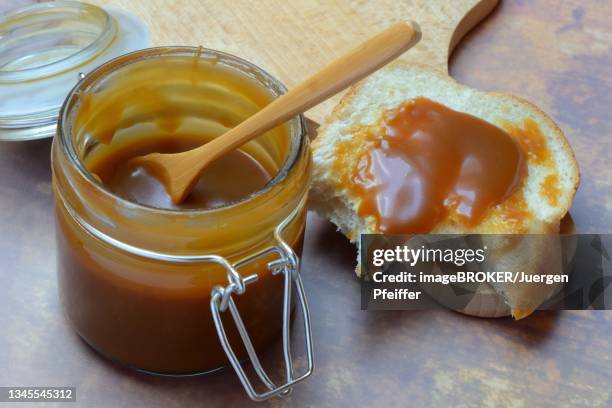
45	49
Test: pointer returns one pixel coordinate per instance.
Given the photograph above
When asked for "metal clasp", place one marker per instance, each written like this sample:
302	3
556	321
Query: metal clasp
288	264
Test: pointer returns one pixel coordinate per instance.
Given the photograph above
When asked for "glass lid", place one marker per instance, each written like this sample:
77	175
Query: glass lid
44	50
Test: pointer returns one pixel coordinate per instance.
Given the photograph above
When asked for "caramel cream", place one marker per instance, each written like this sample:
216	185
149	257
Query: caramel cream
150	111
425	161
227	180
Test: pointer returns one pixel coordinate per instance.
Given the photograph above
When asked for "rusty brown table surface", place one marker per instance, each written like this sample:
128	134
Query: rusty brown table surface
554	53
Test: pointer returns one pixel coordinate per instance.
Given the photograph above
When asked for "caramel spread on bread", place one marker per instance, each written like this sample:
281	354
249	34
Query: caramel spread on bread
375	171
425	161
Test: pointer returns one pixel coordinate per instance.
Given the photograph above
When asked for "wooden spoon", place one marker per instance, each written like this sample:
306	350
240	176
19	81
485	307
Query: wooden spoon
179	172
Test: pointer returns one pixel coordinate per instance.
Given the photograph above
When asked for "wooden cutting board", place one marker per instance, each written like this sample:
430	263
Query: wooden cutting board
293	38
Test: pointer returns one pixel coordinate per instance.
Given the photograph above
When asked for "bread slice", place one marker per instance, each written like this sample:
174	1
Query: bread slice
537	206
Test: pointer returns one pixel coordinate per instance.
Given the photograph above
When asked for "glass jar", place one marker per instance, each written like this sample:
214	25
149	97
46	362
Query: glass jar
44	48
148	287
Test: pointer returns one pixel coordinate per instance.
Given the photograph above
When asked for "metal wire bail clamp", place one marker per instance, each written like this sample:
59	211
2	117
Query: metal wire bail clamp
288	264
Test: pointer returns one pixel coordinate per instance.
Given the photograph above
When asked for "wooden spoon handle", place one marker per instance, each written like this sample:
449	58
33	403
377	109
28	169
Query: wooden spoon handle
348	69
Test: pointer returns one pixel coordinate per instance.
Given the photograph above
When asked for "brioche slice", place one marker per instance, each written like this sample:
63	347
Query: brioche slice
537	206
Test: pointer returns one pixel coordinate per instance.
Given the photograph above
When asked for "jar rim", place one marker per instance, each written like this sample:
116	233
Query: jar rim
298	128
19	15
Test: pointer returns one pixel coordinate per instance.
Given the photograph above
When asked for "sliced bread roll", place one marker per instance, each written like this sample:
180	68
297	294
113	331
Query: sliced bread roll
542	200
